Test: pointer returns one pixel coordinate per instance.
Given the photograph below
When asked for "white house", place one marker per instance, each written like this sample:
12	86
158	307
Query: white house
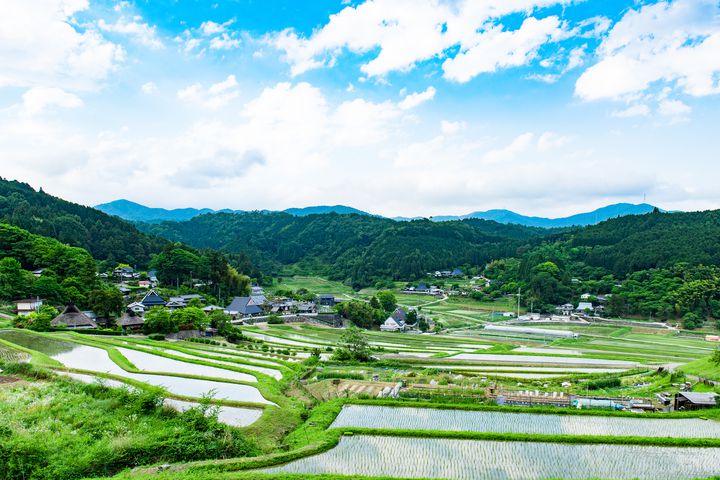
27	306
395	322
565	310
136	307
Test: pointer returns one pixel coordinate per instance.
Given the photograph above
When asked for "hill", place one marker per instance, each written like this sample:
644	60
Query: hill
136	212
361	249
107	238
580	219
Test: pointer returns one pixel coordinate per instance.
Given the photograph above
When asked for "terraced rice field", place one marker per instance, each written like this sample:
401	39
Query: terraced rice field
365	416
94	359
541	359
480	460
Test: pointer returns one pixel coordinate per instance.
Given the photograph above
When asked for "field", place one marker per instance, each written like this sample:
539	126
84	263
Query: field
312	284
467	459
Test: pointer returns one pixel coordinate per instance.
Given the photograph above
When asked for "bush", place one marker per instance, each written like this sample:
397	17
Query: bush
340	375
206	341
604	383
275	320
156	336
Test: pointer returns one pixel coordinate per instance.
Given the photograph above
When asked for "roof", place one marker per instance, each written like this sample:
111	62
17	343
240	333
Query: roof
585	306
243	306
257	299
129	320
211	308
700	398
327	295
398	314
73	318
28	300
152	299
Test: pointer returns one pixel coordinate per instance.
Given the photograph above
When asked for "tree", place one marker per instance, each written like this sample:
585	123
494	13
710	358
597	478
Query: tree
715	359
412	317
158	320
360	313
190	318
691	321
14	281
106	303
353	347
38	321
387	300
423	324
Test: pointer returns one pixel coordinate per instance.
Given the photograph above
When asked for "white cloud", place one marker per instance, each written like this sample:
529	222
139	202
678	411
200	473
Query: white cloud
638	110
451	128
212	28
215	96
38	99
520	144
148	88
497	48
134	28
40	46
673	108
677	43
548	78
224	42
551	140
414	99
406	32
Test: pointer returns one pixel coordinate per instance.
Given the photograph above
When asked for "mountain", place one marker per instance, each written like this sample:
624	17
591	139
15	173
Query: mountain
580	219
106	237
136	212
359	249
323	209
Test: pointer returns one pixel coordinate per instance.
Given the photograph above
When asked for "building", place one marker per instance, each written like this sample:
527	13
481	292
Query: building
584	306
326	299
152	299
130	321
695	400
137	308
565	310
257	290
73	318
27	306
457	273
211	308
395	322
243	307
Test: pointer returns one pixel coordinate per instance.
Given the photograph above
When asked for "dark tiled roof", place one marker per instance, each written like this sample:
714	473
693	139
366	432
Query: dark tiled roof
152	299
241	305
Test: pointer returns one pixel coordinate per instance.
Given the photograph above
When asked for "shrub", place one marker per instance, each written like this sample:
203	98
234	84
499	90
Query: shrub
156	336
604	383
340	375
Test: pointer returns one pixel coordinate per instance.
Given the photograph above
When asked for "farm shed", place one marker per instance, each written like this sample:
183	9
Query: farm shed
530	331
695	400
71	317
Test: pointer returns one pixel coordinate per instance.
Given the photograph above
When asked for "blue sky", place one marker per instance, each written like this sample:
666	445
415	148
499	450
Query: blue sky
399	107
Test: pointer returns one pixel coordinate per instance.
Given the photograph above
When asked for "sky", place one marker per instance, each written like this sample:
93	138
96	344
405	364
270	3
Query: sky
397	107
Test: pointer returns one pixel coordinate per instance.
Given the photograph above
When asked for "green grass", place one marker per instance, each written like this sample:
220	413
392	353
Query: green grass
312	284
702	368
65	429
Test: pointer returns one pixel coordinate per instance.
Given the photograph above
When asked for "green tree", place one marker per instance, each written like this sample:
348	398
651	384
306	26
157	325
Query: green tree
14	281
691	321
387	300
190	318
423	324
353	347
715	358
158	320
106	303
412	317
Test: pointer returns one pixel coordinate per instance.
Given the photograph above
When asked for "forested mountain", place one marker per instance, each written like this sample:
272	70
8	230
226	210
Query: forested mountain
359	248
106	237
580	219
135	212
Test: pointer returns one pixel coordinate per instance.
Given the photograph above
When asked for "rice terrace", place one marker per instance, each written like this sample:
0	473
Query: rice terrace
359	239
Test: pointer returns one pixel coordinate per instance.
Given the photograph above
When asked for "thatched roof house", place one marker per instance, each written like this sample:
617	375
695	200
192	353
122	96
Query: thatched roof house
130	321
71	317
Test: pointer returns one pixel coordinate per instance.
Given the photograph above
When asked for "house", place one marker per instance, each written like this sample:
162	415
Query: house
124	290
695	400
306	307
422	288
27	306
586	296
257	290
584	306
144	284
242	306
38	272
137	308
130	321
211	308
457	273
395	322
565	309
73	318
326	299
152	299
258	300
175	304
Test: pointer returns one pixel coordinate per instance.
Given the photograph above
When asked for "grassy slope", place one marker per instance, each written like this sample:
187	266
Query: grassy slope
702	368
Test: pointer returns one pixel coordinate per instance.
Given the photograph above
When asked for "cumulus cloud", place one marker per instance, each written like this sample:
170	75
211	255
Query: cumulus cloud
638	110
414	99
38	99
215	96
148	88
135	28
405	32
676	43
41	46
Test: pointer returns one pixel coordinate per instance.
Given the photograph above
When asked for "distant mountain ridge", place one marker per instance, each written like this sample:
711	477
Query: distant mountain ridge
136	212
580	219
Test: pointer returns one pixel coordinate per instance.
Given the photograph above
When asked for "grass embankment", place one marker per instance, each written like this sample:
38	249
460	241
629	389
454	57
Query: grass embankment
703	368
59	428
36	358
